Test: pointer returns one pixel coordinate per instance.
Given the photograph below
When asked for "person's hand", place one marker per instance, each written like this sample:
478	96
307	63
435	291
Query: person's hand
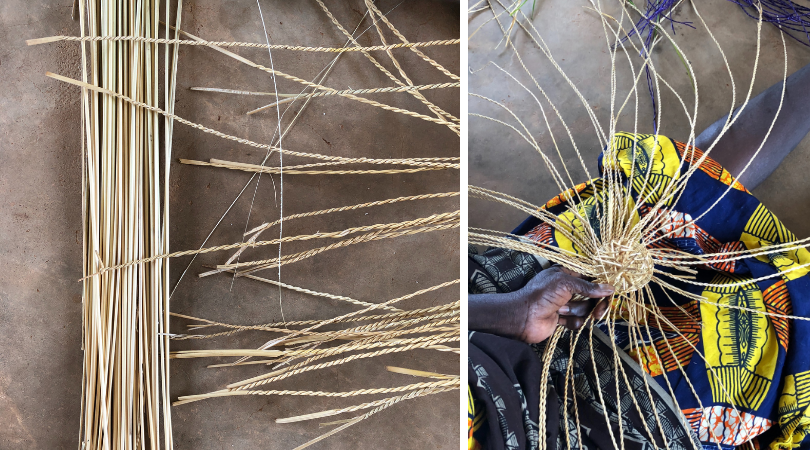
548	302
532	313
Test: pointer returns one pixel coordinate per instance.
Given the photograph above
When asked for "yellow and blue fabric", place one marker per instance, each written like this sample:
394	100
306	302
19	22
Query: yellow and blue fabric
754	384
475	418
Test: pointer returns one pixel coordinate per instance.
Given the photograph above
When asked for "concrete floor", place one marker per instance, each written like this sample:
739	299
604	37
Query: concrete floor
500	160
40	227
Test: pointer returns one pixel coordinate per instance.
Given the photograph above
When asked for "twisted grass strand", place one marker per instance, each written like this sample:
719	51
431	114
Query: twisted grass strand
300	48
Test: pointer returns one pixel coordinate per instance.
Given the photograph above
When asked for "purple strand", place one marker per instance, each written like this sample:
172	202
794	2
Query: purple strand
656	10
783	13
651	87
793	19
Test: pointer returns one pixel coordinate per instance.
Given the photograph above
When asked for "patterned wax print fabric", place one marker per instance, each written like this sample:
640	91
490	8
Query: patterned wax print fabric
504	389
758	363
499	270
503	394
505	375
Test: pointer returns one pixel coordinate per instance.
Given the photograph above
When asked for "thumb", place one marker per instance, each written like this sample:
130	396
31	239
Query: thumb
583	287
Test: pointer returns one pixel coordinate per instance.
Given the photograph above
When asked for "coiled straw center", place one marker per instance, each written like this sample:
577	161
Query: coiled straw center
626	265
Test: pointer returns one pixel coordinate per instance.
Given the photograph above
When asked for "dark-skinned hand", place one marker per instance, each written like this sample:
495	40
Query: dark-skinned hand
531	313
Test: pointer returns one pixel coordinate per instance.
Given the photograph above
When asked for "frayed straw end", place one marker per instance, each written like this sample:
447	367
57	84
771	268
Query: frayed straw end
194	398
337	422
44	40
310	416
419	373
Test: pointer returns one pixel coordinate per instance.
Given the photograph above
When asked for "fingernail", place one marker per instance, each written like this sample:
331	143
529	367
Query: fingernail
565	309
604	287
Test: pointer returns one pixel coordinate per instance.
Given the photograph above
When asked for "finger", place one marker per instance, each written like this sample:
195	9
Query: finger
586	288
600	309
575	308
571	322
569	272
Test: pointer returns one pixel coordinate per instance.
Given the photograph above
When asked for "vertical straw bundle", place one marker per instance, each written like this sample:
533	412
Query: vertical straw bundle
125	205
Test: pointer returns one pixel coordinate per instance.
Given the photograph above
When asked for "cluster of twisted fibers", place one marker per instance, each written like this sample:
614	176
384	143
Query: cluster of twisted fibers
435	218
293	171
146	40
375	403
376	235
405	348
383	319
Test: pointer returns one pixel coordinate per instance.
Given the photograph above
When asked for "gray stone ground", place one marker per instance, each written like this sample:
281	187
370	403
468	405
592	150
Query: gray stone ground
500	160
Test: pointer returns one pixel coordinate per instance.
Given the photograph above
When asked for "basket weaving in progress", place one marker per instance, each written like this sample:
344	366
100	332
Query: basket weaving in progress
701	343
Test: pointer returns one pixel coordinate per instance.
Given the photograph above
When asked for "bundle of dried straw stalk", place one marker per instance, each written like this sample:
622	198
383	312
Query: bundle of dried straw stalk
126	171
127	122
